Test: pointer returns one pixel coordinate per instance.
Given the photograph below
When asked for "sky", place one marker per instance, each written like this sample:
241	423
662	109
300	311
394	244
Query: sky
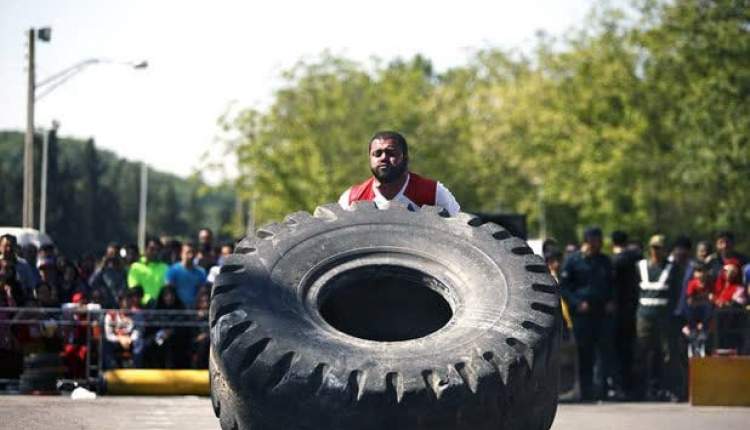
207	56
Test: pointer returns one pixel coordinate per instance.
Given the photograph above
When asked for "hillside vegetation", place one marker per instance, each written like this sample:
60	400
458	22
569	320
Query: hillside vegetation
93	196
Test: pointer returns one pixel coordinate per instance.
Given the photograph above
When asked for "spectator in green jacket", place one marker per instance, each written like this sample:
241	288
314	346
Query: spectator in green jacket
148	272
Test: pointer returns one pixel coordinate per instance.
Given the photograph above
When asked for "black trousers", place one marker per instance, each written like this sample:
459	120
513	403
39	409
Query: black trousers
661	356
594	338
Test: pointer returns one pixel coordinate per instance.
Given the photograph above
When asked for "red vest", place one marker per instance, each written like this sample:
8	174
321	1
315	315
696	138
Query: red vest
421	191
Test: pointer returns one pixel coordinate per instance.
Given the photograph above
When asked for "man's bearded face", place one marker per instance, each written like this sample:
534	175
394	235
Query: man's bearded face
387	161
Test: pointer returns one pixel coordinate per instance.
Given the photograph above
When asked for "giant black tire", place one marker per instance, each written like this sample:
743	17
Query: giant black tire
384	319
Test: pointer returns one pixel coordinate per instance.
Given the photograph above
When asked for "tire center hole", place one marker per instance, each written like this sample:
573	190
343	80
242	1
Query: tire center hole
385	303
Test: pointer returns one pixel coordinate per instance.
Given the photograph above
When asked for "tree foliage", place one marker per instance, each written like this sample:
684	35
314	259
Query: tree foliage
634	123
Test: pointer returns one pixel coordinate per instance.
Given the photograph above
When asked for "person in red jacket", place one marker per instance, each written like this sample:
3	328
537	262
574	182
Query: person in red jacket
729	297
729	290
392	181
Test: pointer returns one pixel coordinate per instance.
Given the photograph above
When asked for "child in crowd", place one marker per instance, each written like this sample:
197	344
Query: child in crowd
699	308
124	337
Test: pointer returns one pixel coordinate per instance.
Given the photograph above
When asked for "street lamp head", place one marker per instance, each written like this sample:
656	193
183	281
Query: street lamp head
142	65
44	34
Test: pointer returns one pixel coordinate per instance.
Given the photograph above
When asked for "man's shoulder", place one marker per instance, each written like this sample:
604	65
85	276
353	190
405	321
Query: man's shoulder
136	265
625	259
23	266
159	265
22	261
137	269
417	177
574	259
714	260
150	266
358	191
631	256
174	267
361	184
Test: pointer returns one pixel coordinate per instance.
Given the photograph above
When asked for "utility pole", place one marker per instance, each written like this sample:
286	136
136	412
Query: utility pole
45	162
28	147
142	208
45	35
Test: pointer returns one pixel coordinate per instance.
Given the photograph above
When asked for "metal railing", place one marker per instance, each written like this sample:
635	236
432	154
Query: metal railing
87	328
729	331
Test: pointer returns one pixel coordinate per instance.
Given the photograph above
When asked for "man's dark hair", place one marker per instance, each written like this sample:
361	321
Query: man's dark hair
549	245
683	242
135	292
173	243
391	135
619	238
592	233
553	255
700	267
705	244
728	235
12	239
153	240
206	229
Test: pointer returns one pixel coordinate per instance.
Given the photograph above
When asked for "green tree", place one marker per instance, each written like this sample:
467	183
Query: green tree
696	67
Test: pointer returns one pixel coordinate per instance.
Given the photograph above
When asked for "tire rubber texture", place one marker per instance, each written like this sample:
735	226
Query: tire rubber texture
275	363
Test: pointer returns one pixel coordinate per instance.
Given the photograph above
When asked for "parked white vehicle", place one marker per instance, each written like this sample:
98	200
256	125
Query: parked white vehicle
26	236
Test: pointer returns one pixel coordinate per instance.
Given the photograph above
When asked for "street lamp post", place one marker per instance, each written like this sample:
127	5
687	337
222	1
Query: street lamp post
47	85
27	216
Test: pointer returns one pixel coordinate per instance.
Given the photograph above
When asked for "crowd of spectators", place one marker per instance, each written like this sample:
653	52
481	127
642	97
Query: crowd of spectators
124	310
638	314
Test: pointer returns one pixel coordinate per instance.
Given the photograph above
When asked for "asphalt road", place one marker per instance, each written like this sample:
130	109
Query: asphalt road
194	413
